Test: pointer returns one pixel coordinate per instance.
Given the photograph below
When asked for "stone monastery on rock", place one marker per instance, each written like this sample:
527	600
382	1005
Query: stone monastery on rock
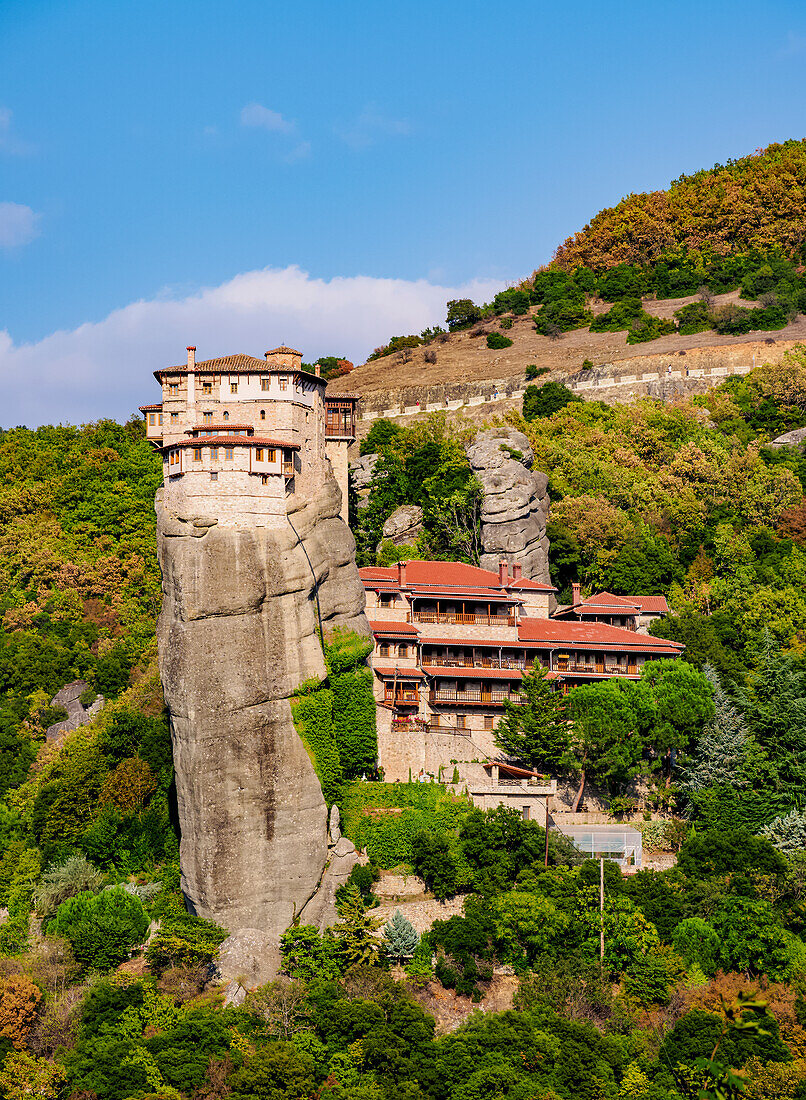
242	432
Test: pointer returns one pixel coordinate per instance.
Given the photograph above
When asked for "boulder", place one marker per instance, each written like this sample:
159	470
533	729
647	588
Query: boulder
237	635
515	505
334	825
404	526
362	470
797	438
321	909
247	959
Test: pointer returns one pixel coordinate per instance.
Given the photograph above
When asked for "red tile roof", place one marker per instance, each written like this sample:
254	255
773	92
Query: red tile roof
401	673
606	602
224	425
474	673
442	573
232	441
598	635
377	626
652	604
536	586
435	590
525	772
150	408
238	364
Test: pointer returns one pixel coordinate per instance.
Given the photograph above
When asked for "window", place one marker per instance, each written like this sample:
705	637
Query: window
265	383
271	455
283	381
152	418
229	453
233	387
488	721
386	599
384	649
525	812
214	454
207	417
461	722
226	416
259	454
197	454
262	414
207	387
265	479
214	475
173	387
174	418
160	419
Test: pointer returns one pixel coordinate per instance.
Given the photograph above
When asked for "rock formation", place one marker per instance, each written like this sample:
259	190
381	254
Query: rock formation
69	699
404	526
237	636
515	507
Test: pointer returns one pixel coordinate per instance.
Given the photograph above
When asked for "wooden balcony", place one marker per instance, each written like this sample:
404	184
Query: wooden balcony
288	469
491	697
463	618
518	665
403	697
599	668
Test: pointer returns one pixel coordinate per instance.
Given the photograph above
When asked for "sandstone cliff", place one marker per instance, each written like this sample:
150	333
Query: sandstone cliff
515	508
237	635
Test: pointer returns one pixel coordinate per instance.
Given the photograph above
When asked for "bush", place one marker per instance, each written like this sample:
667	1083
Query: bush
540	401
697	944
496	341
533	371
185	941
101	928
434	862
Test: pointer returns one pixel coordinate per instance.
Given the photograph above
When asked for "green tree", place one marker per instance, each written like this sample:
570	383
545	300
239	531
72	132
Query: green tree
721	752
101	928
535	730
186	941
678	701
540	401
606	743
401	937
462	313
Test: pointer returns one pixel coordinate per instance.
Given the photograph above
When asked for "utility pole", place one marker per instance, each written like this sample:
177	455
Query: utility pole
546	859
601	911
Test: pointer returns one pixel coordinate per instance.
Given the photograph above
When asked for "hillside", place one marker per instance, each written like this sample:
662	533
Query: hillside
713	263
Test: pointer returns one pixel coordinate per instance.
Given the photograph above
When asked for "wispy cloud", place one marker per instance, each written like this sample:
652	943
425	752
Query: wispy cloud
19	224
369	126
9	142
795	45
299	152
252	312
263	118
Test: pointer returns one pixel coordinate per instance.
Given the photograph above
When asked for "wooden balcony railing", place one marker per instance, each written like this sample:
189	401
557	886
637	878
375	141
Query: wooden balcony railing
479	662
494	695
402	698
288	469
597	669
463	618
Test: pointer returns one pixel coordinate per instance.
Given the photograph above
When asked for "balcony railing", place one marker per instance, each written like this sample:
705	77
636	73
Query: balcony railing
463	618
288	469
494	695
597	669
402	698
480	662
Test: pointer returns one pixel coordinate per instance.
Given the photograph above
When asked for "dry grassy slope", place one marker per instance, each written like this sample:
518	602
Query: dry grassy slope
464	360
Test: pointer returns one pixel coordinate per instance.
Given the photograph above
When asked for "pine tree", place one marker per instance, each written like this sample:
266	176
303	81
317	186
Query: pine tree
401	937
776	712
722	750
787	833
536	729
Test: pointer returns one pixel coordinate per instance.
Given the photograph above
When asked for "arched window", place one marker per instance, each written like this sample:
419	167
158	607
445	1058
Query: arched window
226	416
262	414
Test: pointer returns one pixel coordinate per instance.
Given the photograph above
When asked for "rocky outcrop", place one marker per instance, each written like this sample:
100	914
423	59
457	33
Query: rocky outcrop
797	438
69	699
404	526
515	507
362	470
237	636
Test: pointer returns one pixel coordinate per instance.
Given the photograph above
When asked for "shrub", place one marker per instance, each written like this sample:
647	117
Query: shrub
540	401
101	928
533	371
64	880
462	313
185	941
434	862
697	944
496	341
506	322
401	937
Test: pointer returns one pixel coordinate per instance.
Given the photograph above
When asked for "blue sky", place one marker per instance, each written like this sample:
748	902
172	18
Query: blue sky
368	159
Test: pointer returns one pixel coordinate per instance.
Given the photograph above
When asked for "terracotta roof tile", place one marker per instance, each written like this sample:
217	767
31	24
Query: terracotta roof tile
600	635
378	626
233	441
225	426
150	408
402	673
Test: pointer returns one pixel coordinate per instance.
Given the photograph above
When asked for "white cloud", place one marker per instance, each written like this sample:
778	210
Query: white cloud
104	369
369	126
299	152
9	142
253	114
19	224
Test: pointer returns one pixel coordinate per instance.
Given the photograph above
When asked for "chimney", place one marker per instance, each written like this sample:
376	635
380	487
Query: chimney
503	572
516	571
318	370
191	358
576	594
401	573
